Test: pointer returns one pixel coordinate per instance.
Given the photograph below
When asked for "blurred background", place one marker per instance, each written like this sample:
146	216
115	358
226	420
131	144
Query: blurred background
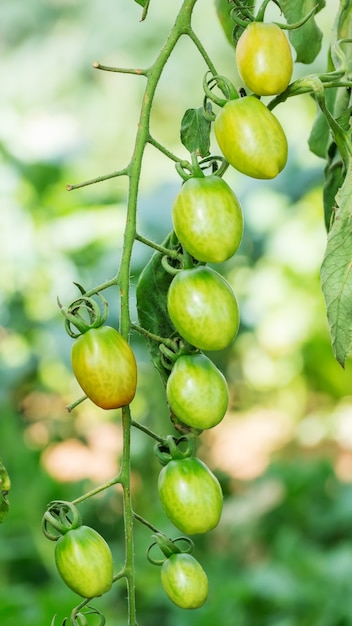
282	554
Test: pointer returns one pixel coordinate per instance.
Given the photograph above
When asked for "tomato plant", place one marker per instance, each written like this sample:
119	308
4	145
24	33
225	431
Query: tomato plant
183	304
184	581
264	58
203	308
105	367
84	561
190	494
207	218
197	391
251	138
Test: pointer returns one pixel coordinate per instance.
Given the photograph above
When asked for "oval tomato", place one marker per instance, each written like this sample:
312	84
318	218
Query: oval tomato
84	562
197	391
264	59
251	138
190	495
105	367
207	219
184	581
203	308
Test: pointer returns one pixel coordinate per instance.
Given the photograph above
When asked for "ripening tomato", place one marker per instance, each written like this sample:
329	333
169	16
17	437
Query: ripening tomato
84	562
251	138
197	391
191	495
203	308
264	59
184	581
207	219
105	367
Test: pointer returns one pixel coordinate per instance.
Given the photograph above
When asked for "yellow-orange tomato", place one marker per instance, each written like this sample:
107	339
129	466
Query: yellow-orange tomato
105	367
264	59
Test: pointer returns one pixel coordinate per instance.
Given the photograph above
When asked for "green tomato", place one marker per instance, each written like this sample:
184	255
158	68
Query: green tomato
251	138
105	367
184	581
203	308
207	219
264	59
197	391
84	562
190	495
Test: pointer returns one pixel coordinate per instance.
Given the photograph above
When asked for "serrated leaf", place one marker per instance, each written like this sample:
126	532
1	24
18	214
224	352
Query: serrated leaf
195	132
306	39
336	273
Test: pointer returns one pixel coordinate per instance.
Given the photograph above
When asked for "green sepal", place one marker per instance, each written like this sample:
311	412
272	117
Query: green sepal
60	516
173	449
168	547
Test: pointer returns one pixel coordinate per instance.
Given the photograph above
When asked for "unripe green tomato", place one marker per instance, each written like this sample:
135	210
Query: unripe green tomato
184	581
251	138
207	219
84	562
264	59
203	308
197	391
191	495
105	367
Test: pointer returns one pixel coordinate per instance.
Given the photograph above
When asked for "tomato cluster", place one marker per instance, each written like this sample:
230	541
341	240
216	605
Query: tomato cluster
184	303
248	134
208	221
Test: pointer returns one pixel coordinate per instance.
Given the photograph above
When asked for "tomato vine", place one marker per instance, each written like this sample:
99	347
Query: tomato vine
177	278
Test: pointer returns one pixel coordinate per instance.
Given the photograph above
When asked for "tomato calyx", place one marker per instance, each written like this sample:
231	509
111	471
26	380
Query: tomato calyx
168	547
170	354
242	15
94	314
226	88
59	518
172	449
78	616
196	169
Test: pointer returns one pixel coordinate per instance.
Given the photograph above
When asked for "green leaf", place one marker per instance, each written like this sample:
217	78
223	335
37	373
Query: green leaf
334	175
195	132
145	5
306	39
336	273
153	316
223	10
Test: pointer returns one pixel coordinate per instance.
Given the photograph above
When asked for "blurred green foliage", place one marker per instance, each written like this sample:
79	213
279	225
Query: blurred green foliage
282	554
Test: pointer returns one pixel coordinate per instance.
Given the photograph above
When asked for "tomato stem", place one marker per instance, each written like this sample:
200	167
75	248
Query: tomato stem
97	179
147	431
171	253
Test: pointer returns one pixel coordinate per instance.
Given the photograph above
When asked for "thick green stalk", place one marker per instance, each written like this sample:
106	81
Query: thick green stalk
153	74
